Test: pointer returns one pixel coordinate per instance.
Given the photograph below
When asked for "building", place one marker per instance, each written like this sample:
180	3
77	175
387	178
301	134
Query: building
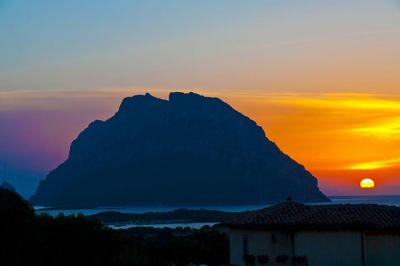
291	233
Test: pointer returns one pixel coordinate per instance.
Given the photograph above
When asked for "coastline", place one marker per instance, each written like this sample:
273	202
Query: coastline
192	216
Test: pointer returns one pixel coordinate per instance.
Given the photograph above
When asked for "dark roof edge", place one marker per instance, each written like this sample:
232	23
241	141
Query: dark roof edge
306	227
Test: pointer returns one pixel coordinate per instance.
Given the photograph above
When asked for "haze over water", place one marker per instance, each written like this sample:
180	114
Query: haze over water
384	200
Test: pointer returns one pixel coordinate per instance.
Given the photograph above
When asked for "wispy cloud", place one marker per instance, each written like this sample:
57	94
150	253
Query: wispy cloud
355	101
377	116
61	99
385	129
375	164
50	100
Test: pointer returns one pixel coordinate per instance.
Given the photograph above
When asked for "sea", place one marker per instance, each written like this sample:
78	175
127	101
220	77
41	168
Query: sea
393	200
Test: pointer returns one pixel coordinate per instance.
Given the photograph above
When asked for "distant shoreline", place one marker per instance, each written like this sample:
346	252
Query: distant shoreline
210	207
191	216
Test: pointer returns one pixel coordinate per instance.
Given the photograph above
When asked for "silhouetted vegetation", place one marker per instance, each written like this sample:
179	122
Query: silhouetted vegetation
178	246
29	239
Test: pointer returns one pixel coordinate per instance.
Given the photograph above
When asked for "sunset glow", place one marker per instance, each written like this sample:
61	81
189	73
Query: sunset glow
367	183
375	165
386	129
321	131
321	78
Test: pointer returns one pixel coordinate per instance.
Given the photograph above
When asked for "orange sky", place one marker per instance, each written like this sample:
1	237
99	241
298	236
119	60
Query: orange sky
321	77
340	137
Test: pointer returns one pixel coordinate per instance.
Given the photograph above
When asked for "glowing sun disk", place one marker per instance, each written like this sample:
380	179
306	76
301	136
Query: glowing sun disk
367	183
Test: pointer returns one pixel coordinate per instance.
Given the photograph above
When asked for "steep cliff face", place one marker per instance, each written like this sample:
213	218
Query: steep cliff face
189	150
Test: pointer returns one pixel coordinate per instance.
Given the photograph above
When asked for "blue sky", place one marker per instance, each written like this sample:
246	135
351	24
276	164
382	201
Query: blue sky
66	45
66	63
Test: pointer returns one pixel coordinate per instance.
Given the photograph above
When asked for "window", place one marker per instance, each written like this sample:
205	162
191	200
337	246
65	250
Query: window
245	245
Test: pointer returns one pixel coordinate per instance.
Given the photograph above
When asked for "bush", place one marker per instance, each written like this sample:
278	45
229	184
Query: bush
43	240
251	259
27	239
282	258
263	259
300	259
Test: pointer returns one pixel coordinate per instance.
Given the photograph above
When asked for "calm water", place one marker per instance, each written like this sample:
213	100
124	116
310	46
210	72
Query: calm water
385	200
165	225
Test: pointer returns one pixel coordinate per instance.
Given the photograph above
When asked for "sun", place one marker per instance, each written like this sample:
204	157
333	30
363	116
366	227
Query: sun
367	183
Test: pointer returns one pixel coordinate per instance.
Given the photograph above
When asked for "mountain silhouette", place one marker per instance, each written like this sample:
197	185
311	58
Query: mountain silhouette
188	150
7	185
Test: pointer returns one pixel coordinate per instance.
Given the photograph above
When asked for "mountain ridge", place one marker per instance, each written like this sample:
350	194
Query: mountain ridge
187	150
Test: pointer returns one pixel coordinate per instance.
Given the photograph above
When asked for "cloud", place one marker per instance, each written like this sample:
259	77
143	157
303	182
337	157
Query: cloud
385	129
50	100
62	99
375	164
372	115
349	101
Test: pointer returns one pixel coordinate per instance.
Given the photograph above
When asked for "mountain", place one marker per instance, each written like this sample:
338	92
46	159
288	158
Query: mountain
7	185
188	150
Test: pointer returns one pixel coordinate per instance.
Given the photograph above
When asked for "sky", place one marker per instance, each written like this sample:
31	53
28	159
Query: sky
321	77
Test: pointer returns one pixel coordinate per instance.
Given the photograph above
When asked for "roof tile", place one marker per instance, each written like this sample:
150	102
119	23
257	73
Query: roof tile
294	214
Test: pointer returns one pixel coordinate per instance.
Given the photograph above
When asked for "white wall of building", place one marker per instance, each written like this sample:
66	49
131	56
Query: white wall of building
322	248
272	244
329	248
382	249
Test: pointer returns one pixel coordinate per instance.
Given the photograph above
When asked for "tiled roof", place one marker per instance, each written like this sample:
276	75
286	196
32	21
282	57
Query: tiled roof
290	214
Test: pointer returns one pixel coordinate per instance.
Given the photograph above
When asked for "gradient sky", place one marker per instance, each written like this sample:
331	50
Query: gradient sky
321	77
